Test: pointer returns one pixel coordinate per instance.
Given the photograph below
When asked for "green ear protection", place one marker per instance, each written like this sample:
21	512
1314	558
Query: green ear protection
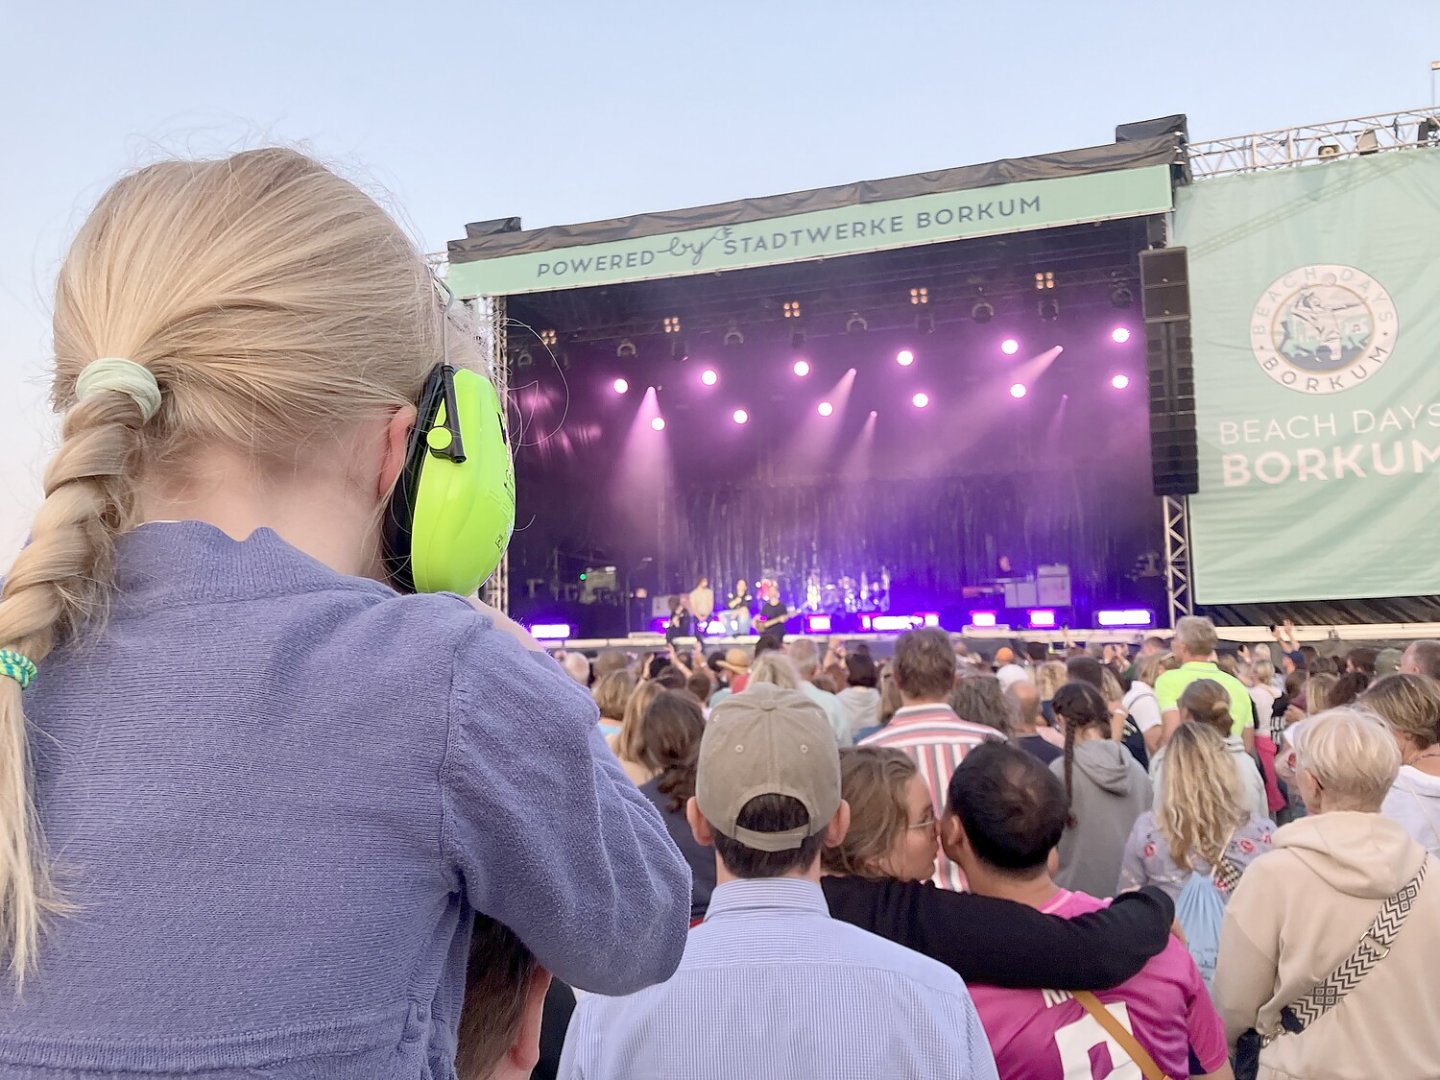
453	509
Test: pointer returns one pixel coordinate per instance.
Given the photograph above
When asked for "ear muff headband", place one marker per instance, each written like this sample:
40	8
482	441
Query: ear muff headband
453	509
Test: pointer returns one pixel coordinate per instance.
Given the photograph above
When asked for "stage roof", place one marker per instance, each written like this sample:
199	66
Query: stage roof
1101	183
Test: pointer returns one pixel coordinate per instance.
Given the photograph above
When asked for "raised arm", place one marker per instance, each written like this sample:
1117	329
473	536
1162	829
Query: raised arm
545	830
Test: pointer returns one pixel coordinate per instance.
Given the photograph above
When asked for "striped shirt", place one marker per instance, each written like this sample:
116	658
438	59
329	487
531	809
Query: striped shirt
938	741
772	986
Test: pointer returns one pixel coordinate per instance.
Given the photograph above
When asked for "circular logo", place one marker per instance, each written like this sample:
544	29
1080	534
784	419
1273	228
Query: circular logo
1322	329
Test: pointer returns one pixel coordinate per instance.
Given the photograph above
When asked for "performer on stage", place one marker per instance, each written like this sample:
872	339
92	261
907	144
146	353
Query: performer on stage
702	607
737	610
679	624
773	615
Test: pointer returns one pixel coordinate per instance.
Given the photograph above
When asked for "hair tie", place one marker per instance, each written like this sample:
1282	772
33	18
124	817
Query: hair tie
135	381
17	666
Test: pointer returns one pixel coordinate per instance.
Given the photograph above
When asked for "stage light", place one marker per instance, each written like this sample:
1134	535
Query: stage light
678	351
1121	296
708	377
801	368
1041	618
621	386
920	295
792	309
888	624
1017	390
856	324
1120	382
1045	280
982	312
523	359
818	624
920	400
550	631
1048	309
625	349
548	338
1137	617
740	416
1120	335
983	618
928	618
658	424
905	358
733	336
825	409
1009	346
672	324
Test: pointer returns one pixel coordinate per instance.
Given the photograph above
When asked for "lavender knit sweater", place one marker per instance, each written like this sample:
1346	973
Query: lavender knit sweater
276	796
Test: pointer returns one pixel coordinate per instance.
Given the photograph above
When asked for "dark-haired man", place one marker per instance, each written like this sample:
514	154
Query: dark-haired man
1004	816
925	726
770	984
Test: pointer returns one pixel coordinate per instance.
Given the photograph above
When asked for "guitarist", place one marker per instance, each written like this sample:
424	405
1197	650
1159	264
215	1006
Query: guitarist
773	615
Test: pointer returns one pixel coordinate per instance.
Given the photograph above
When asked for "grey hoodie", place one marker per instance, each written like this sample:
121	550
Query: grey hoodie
1111	791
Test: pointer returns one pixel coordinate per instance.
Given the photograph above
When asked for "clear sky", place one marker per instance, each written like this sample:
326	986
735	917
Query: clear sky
570	111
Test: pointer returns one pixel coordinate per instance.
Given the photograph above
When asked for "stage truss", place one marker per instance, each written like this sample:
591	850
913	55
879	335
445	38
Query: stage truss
1177	556
488	313
1316	144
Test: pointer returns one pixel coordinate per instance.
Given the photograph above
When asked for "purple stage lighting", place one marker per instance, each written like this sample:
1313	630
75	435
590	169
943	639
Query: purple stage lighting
1041	618
825	409
740	416
1120	335
1120	382
658	423
928	618
1136	617
1018	390
550	631
801	368
905	358
817	624
888	624
983	618
1009	346
621	386
920	400
708	377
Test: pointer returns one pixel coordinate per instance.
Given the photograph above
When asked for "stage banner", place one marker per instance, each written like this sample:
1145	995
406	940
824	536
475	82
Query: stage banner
1317	379
849	230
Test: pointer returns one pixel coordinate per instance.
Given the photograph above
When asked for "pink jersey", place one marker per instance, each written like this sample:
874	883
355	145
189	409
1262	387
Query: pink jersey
1048	1035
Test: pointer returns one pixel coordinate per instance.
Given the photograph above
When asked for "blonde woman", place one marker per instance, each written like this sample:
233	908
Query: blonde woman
1410	704
628	742
1201	816
892	830
267	792
774	668
612	693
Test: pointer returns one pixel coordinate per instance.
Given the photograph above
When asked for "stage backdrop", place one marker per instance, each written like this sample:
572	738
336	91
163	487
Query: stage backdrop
1317	379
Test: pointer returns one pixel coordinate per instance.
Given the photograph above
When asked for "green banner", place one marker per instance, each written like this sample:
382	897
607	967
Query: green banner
922	219
1317	379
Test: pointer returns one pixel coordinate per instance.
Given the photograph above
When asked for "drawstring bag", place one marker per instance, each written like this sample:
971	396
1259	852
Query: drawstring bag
1200	909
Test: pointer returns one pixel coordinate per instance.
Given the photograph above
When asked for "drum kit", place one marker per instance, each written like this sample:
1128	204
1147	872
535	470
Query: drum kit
837	594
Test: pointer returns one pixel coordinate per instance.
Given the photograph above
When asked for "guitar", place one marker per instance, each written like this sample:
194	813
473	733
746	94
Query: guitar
779	620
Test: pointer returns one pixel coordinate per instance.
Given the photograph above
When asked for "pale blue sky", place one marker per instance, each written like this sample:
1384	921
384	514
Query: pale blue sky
571	111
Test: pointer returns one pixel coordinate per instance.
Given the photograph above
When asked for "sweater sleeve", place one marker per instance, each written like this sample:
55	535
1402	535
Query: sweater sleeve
1132	863
1011	945
547	833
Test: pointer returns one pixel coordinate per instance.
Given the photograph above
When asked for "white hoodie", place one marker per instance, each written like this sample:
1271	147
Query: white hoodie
1414	801
1297	914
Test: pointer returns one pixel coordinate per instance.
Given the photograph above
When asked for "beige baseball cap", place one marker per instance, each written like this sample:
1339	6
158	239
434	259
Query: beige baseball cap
768	741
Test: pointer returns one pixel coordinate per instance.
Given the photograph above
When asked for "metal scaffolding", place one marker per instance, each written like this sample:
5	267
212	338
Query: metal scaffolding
488	313
1177	556
1316	144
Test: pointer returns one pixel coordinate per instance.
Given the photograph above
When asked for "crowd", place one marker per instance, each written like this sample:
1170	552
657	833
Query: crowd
263	813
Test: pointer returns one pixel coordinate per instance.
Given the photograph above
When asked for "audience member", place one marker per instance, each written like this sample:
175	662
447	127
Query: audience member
1323	665
1006	814
1140	702
577	666
1199	820
612	693
1006	669
732	669
1347	688
981	699
1123	729
274	787
611	661
1317	692
890	700
1206	702
1049	677
805	655
699	686
756	990
1362	659
1031	732
1298	913
1387	662
861	697
505	991
1194	646
627	742
774	668
873	878
669	744
1410	704
768	643
1105	787
926	727
1259	678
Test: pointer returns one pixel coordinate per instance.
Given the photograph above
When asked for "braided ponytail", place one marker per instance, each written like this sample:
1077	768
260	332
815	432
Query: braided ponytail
1081	706
57	584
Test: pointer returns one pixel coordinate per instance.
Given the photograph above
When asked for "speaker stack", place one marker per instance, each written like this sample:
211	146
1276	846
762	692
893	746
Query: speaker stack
1170	370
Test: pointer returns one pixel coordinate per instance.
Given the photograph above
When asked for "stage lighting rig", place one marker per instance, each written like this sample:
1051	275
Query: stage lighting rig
982	311
672	324
856	324
625	350
678	351
733	336
1048	309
